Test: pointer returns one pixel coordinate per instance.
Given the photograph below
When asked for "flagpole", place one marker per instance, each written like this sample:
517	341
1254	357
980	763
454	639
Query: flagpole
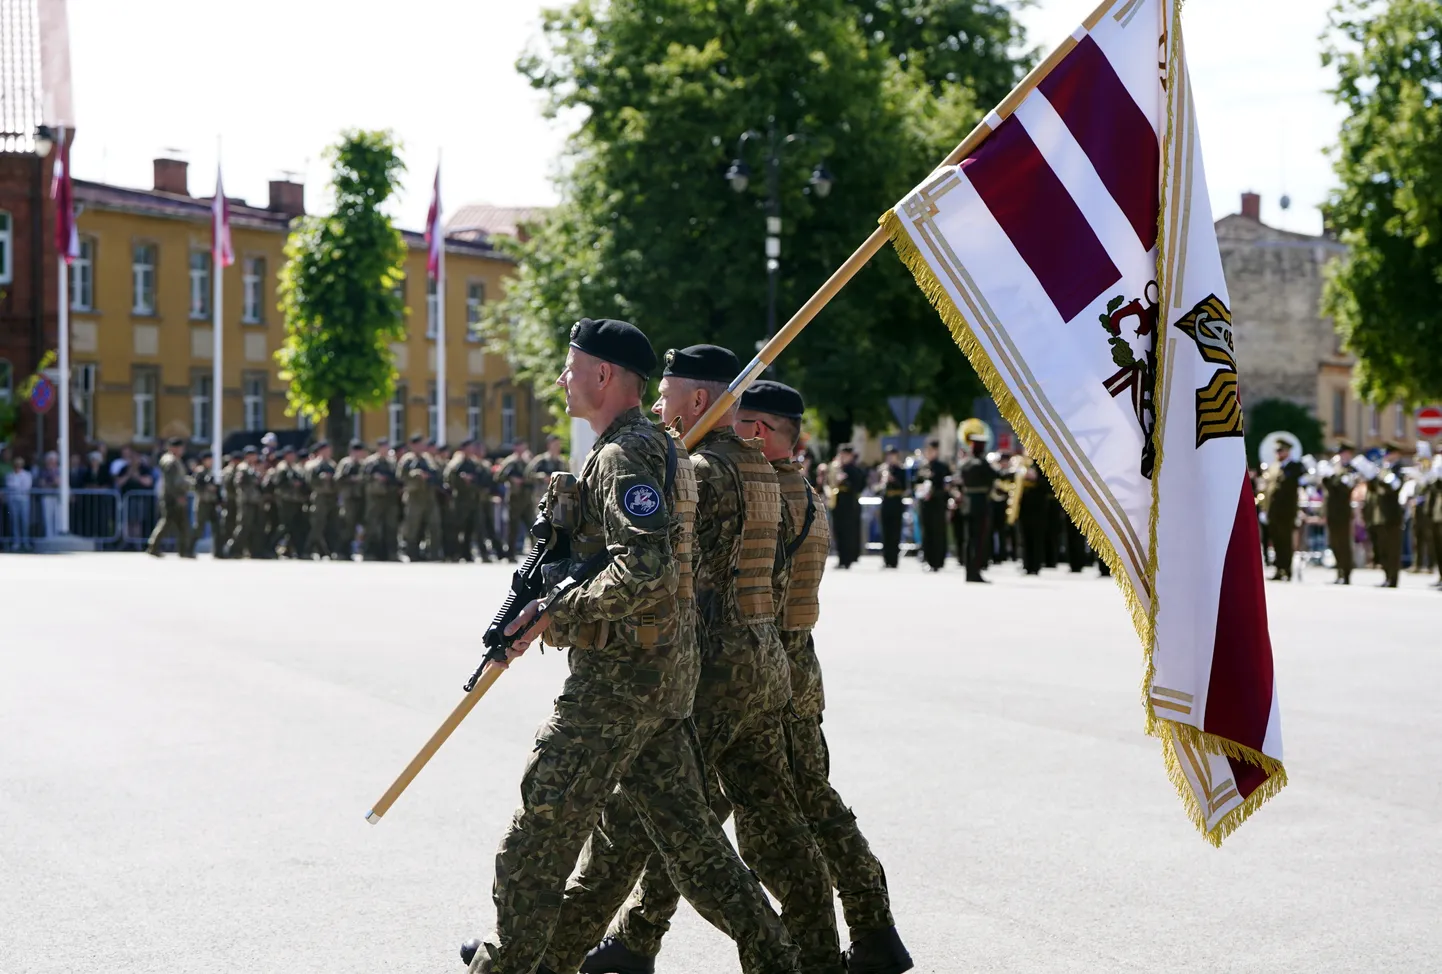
217	390
62	339
440	312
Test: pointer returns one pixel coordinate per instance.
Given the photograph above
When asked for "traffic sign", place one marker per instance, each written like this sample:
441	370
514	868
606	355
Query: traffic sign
904	408
1429	421
42	395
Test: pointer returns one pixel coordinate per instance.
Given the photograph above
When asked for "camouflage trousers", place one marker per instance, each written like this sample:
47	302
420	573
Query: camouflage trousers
748	754
582	753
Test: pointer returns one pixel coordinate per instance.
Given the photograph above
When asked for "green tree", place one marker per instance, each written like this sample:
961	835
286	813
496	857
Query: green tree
1271	415
648	230
338	289
1386	295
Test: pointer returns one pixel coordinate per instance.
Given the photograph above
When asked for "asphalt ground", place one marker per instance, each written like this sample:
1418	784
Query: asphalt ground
187	750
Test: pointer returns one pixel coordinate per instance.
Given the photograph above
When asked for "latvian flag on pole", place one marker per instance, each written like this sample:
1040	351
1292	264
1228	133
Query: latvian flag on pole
1071	252
67	237
435	235
222	252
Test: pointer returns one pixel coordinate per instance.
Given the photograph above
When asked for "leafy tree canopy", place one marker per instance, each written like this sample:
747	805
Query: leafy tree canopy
338	288
650	231
1386	296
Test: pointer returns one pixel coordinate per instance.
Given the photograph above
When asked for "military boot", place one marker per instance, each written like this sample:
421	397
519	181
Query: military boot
881	952
483	965
614	957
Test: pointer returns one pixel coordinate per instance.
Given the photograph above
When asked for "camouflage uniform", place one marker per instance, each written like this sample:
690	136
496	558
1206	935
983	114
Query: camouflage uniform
618	720
351	493
382	508
174	513
740	704
419	478
207	509
322	539
468	505
520	508
249	537
232	507
286	485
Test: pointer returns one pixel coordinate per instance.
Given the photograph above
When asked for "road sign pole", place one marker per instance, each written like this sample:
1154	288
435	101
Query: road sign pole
62	339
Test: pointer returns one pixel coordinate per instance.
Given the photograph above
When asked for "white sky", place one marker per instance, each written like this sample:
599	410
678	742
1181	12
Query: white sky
275	80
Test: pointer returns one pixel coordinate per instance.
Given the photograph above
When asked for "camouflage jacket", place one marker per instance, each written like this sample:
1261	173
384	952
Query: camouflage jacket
418	474
320	477
205	486
348	477
632	641
379	474
286	483
173	480
462	478
247	484
743	667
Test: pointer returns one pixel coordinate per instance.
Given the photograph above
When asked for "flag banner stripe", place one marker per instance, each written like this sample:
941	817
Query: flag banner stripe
1112	130
1040	218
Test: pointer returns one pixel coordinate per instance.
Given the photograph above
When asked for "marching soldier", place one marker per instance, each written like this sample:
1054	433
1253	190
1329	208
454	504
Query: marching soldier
350	486
977	479
1279	487
1386	515
539	470
933	491
174	512
232	505
249	538
418	494
382	504
847	482
519	506
286	485
467	503
322	539
893	506
634	666
1337	490
207	505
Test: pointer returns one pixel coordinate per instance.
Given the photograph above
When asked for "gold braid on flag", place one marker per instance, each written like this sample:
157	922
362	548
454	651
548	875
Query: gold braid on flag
1178	738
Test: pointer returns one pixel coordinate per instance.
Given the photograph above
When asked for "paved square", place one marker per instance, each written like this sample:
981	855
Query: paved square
187	750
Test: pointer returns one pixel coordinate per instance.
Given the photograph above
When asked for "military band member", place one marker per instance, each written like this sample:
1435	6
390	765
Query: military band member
893	506
933	491
174	509
634	664
206	487
847	482
977	479
1385	518
1279	487
1337	489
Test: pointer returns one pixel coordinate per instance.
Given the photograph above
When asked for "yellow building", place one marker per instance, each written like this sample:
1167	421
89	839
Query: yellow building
141	334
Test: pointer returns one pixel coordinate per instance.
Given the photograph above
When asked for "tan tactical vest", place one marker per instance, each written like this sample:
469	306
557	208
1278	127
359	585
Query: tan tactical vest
753	559
683	522
802	606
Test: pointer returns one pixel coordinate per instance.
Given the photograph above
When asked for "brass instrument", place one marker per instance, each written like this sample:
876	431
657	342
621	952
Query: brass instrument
1022	470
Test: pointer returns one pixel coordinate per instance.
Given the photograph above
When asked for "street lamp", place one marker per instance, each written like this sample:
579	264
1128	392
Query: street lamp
738	175
44	140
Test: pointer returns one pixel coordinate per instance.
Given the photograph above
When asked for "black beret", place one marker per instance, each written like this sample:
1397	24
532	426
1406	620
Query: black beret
288	448
416	438
1344	445
249	449
708	363
382	441
357	445
776	398
846	448
468	441
320	444
175	441
618	342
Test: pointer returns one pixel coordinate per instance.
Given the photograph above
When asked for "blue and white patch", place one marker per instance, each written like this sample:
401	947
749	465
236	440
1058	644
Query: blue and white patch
641	501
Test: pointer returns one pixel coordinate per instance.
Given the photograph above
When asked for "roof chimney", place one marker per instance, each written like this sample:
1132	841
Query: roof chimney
287	197
1252	206
170	177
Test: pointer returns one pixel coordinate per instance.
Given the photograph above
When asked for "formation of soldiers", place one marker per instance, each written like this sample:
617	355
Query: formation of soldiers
694	692
423	502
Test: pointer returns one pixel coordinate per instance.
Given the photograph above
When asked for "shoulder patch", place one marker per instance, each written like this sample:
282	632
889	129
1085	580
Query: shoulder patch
640	500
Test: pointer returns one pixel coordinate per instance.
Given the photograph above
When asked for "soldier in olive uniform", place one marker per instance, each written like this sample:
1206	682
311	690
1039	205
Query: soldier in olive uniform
893	506
1385	516
249	538
322	540
207	504
933	492
1337	490
740	708
350	486
419	479
382	507
468	502
1280	484
977	479
634	663
847	481
519	506
174	510
286	485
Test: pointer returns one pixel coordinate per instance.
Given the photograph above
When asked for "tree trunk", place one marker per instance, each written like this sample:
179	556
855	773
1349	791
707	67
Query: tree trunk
337	425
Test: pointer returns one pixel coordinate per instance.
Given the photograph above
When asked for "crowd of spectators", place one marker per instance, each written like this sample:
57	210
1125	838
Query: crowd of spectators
30	502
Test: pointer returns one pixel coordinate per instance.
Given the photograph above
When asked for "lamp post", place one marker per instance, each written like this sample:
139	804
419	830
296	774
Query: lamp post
739	176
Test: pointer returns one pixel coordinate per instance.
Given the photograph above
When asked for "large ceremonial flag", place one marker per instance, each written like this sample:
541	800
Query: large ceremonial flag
67	238
222	251
1071	251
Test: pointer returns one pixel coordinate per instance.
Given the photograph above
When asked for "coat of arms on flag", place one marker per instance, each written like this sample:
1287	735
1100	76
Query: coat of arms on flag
1071	252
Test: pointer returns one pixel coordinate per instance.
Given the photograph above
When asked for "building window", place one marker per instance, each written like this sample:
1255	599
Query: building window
396	416
433	426
473	413
352	414
1339	412
475	304
1401	428
304	422
82	384
7	247
508	419
142	279
82	277
7	382
143	388
1374	428
432	309
399	291
199	284
201	401
252	286
252	390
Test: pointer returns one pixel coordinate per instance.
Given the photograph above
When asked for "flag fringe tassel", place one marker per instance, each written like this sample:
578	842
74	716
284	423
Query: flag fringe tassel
1169	732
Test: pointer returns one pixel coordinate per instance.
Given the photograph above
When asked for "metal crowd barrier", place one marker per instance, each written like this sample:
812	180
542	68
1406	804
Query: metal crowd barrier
871	524
29	518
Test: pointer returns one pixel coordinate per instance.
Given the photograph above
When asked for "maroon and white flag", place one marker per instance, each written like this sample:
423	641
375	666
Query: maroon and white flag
67	237
223	254
1073	256
435	234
